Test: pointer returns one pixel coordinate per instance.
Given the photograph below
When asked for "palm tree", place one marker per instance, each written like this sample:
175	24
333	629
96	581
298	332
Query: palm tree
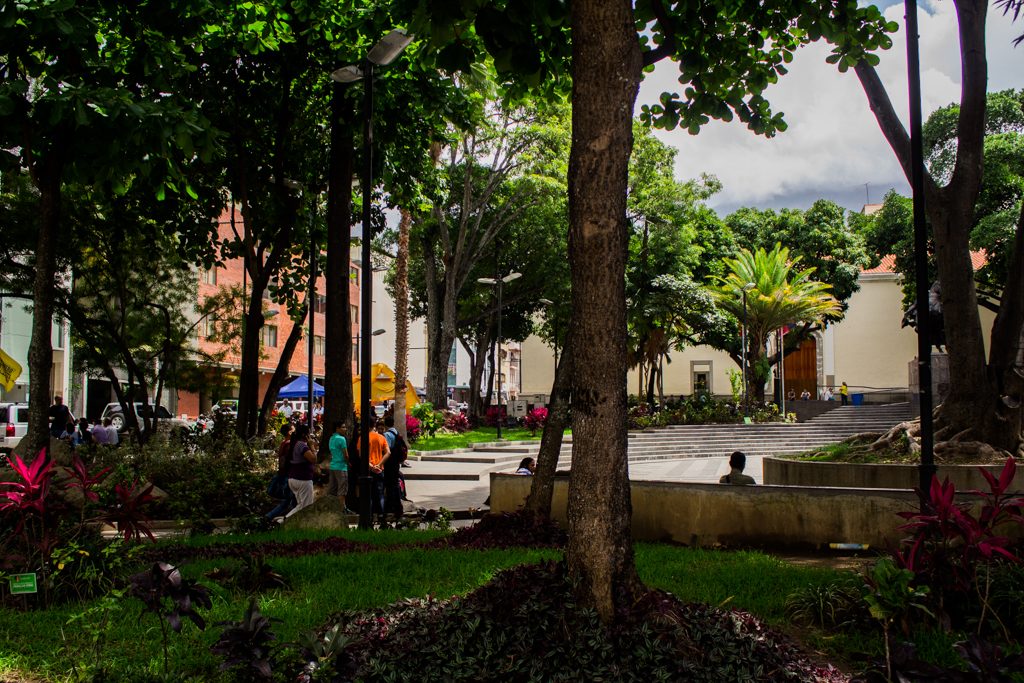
777	295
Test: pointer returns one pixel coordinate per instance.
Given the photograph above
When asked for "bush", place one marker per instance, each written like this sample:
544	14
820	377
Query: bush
456	422
412	427
430	419
536	419
494	415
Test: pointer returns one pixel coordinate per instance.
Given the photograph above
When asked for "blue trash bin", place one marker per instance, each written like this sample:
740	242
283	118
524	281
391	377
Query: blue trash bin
857	399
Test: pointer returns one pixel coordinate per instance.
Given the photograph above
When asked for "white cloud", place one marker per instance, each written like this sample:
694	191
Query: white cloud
833	145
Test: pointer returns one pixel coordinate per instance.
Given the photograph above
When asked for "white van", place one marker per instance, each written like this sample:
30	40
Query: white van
13	425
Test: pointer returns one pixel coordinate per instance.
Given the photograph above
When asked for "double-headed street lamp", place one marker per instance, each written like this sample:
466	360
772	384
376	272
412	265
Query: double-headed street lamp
499	282
746	288
382	54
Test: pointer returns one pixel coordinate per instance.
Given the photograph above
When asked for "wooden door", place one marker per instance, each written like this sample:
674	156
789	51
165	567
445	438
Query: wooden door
801	369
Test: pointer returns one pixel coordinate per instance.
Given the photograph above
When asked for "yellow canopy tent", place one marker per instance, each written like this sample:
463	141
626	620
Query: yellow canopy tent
383	387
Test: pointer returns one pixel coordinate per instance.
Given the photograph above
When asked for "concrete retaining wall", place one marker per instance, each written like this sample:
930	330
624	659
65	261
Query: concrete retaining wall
782	472
749	516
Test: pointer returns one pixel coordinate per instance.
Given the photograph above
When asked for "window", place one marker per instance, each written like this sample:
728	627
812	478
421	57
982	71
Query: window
700	376
268	335
353	272
355	350
320	303
319	345
208	327
355	312
210	276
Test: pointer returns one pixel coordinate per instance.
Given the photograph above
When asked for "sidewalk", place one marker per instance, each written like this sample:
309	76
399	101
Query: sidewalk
466	491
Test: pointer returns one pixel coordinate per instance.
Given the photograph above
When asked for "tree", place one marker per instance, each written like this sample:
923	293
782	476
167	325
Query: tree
611	43
781	295
986	393
85	97
486	185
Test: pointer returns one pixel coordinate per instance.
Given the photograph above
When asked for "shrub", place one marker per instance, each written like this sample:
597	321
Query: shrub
412	427
494	415
247	646
536	419
456	422
430	419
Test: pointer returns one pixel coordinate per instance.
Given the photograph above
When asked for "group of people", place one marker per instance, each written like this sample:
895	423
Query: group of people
299	466
827	394
74	433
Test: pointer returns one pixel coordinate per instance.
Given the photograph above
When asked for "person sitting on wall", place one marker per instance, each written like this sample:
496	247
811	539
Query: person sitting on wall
737	461
791	395
805	395
527	466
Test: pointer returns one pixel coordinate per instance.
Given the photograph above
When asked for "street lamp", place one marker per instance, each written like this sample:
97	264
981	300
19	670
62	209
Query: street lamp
499	282
554	326
746	288
381	54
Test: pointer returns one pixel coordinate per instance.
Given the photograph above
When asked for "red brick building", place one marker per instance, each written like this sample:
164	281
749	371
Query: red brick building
274	333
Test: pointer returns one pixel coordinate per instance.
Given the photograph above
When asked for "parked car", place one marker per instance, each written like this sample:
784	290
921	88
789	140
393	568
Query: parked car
227	405
13	425
167	422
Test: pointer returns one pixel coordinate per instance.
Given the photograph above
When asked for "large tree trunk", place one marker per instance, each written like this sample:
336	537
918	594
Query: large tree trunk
542	487
439	344
338	400
402	319
976	400
249	365
40	351
606	70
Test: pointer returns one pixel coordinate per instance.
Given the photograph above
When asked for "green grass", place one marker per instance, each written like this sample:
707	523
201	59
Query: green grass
42	644
747	580
855	453
376	538
443	442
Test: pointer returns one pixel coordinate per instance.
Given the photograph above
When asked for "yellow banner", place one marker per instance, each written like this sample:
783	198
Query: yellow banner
9	371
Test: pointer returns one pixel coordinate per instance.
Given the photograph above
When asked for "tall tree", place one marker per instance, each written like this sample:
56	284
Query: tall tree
85	97
986	393
780	295
611	42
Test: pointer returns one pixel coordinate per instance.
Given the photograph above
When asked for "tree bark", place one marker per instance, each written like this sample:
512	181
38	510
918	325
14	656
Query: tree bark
402	319
606	71
338	400
40	351
439	344
542	487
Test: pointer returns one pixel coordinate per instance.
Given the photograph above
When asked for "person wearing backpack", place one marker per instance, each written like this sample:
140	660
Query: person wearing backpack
394	484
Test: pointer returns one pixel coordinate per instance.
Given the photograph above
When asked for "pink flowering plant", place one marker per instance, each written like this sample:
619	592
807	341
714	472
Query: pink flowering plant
536	419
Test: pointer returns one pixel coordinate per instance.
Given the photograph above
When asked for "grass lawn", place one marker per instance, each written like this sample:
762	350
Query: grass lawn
444	442
42	644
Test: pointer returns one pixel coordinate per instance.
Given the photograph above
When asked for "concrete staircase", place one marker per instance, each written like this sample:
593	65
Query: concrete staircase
676	442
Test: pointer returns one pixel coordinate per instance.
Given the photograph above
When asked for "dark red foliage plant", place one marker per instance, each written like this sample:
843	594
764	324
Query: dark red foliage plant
951	548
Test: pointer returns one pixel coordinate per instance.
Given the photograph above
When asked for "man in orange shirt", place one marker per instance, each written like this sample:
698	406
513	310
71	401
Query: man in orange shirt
379	453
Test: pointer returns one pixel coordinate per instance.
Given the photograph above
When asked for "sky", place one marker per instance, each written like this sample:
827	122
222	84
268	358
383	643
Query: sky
833	146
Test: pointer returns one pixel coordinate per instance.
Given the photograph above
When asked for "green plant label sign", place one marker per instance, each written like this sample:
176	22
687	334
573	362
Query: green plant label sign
23	583
747	421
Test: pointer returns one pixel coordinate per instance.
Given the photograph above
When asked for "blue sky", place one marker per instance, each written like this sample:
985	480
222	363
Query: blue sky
833	147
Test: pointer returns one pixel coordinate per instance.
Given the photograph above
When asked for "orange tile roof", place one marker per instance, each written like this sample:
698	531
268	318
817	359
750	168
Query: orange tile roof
888	264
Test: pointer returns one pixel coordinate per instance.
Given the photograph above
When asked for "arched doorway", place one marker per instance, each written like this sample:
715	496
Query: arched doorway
801	368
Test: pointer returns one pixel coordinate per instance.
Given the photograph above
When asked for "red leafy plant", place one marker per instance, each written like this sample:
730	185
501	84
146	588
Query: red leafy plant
127	514
535	419
169	596
456	422
952	549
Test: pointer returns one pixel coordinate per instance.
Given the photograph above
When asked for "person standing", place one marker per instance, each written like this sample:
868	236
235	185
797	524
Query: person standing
337	484
59	416
379	454
279	484
99	432
113	438
393	480
301	469
844	393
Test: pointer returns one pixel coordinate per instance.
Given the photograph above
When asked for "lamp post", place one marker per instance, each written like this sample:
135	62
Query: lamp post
381	54
312	317
554	327
499	282
746	288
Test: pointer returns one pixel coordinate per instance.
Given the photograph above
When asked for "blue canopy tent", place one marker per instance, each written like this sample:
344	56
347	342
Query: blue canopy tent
299	388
